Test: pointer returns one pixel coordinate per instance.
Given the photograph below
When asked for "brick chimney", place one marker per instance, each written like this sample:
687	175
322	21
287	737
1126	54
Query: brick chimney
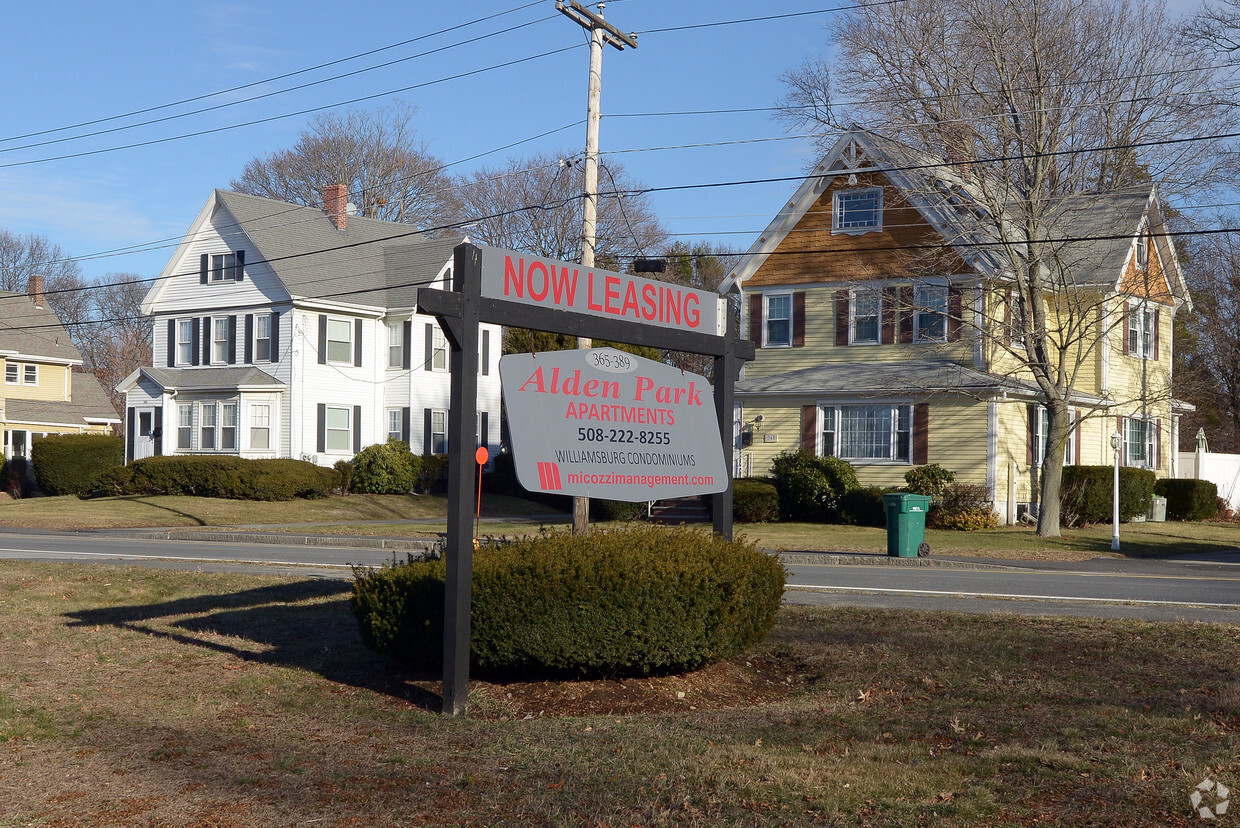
335	201
35	290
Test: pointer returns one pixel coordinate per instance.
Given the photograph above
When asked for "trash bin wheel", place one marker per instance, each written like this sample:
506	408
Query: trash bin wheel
923	550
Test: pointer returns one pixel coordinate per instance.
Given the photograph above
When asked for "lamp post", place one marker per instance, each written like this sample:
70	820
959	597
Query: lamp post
1117	442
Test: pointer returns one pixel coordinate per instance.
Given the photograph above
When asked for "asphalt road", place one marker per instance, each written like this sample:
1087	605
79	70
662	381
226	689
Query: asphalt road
1200	588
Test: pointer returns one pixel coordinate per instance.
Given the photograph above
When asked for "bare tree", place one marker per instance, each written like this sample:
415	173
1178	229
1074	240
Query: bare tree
114	336
700	265
24	256
1035	104
390	173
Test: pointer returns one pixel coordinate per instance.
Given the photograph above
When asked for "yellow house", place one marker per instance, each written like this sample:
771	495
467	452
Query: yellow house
888	327
44	389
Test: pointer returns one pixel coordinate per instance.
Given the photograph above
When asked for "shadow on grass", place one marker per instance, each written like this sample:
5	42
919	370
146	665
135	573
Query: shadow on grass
147	503
305	624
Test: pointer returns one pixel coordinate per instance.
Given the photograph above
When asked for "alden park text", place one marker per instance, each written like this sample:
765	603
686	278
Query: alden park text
646	396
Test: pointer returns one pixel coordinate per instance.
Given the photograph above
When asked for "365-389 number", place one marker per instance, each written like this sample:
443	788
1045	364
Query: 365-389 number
624	435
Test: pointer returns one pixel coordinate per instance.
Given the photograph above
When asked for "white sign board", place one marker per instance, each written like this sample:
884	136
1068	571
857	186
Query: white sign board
604	423
549	283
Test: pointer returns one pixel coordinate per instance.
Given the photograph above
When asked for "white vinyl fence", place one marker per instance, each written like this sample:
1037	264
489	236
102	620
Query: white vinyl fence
1223	470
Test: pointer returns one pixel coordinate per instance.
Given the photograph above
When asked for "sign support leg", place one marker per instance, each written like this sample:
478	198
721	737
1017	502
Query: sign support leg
727	366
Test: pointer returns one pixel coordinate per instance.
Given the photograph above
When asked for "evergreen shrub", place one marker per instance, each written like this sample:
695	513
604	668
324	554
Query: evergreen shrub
929	480
69	463
633	601
863	507
754	501
616	510
431	469
385	468
1186	499
227	477
809	486
1085	496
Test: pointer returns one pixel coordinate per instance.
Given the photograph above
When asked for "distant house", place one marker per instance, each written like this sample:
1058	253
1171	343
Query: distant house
872	349
287	331
44	390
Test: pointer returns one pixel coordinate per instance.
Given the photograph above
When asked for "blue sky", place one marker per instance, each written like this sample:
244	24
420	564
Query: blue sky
75	62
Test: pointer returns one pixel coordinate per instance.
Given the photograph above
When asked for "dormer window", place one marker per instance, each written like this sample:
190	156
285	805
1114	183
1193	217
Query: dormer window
858	211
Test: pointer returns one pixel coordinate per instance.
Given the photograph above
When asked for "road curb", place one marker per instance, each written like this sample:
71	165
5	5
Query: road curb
340	541
878	559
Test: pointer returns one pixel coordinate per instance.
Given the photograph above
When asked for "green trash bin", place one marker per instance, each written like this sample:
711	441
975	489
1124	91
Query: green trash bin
906	524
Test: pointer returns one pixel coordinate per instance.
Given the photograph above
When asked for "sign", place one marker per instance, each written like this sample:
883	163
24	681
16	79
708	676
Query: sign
531	280
603	423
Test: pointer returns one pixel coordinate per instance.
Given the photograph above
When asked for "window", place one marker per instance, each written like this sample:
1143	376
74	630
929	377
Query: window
262	338
185	426
228	427
1141	321
224	267
868	432
206	430
185	341
219	340
30	374
396	344
865	323
1143	250
1041	435
260	427
858	211
10	373
339	341
338	429
395	424
439	350
779	319
439	432
1139	443
930	319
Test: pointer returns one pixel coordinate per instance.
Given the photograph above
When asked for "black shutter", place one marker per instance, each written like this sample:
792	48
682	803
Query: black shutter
406	350
486	352
130	431
921	434
275	336
430	346
357	429
798	319
404	424
426	432
202	269
482	429
240	265
232	340
249	339
206	340
195	342
755	319
158	432
322	339
322	428
172	343
357	345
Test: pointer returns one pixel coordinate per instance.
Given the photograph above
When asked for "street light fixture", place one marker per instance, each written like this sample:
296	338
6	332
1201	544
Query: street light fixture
1117	442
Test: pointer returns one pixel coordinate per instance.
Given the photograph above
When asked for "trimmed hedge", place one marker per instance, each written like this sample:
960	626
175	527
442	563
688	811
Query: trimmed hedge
624	602
229	477
754	501
1188	499
385	468
1085	496
863	507
809	486
69	463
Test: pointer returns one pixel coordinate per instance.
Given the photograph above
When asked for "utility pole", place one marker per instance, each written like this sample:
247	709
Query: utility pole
600	32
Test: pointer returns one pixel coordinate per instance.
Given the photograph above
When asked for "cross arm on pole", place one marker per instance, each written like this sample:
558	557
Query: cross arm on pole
587	19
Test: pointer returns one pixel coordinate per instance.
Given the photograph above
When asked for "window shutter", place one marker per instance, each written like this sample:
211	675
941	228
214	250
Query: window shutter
906	314
406	350
203	264
232	340
357	429
404	424
1157	444
841	317
921	434
889	316
1007	317
322	339
1031	443
322	430
798	319
275	336
426	431
206	340
240	265
1124	330
357	345
486	353
809	428
130	431
755	319
1155	334
430	347
955	313
194	347
483	430
172	343
249	339
158	431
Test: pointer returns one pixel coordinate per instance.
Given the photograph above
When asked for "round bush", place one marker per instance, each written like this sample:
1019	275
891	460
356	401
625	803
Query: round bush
632	602
384	468
754	501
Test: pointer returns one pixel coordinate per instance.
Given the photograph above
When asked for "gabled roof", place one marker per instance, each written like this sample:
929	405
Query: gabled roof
88	404
33	331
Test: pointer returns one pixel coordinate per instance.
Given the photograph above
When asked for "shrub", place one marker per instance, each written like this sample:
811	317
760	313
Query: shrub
69	463
384	468
616	509
632	602
344	468
964	507
929	480
809	487
230	477
1186	499
430	468
863	507
1086	493
16	477
754	501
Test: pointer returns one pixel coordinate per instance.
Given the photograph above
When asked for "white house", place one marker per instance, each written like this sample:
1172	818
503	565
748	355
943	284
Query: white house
287	331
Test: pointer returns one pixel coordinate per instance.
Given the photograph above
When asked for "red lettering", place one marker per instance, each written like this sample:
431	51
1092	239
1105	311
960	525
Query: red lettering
536	266
515	278
589	388
609	294
644	384
590	303
650	294
672	301
564	287
630	300
692	317
572	386
537	378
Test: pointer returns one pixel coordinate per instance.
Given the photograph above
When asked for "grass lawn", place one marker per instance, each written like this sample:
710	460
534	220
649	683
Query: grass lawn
142	697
